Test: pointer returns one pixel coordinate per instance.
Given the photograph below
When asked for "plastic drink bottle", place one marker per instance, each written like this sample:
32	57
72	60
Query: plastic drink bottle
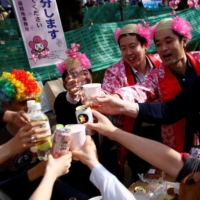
30	104
38	116
30	111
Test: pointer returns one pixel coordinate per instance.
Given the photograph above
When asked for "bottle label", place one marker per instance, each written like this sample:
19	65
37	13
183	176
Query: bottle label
46	145
44	125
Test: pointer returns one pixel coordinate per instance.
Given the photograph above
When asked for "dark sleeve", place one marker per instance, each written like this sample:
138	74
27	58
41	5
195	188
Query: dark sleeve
190	165
65	111
1	115
185	103
12	186
2	124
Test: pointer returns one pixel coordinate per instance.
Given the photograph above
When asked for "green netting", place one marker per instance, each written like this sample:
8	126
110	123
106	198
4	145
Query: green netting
99	45
8	30
97	42
111	13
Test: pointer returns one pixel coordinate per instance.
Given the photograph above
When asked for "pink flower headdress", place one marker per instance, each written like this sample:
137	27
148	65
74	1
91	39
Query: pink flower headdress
74	58
178	24
139	29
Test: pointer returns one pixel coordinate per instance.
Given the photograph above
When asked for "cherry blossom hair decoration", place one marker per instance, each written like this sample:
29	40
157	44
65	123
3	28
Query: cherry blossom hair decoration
178	24
134	28
74	59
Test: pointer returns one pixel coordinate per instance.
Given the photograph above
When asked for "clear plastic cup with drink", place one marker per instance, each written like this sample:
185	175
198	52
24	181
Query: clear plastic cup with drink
77	73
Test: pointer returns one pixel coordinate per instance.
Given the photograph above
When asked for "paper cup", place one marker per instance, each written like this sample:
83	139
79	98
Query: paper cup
78	136
92	89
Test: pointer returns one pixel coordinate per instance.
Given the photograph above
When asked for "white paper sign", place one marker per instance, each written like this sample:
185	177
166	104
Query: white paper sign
41	31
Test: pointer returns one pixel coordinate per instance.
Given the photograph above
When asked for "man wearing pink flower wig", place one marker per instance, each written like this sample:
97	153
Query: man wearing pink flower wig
133	41
67	101
178	71
65	105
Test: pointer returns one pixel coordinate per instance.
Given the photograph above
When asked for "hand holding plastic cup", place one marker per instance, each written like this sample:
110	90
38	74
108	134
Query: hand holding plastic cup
77	73
78	137
89	94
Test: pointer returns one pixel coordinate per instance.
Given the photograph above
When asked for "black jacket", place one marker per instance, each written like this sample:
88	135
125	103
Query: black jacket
185	104
65	111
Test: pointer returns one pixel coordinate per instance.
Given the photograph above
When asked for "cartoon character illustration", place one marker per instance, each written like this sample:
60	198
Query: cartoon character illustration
38	46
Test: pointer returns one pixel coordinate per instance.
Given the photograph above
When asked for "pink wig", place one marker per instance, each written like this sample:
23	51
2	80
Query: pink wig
144	32
85	62
180	25
61	67
117	34
141	30
153	30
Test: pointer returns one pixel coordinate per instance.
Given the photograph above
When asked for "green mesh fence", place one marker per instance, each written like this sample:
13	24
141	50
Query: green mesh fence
9	30
97	42
111	13
99	45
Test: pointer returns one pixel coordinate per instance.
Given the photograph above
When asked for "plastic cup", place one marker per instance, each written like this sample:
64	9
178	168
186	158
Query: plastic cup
90	92
76	73
78	136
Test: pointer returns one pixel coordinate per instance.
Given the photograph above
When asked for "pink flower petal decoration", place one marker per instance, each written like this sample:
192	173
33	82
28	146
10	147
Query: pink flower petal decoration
182	27
61	67
144	32
117	34
153	31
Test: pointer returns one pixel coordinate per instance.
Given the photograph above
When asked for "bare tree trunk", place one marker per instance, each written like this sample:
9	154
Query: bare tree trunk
71	14
182	5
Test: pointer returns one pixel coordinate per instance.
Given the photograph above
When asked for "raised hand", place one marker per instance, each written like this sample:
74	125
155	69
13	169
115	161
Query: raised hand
103	125
59	166
88	153
110	104
20	118
22	140
72	86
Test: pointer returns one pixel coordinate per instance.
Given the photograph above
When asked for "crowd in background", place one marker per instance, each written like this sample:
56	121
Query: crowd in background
91	3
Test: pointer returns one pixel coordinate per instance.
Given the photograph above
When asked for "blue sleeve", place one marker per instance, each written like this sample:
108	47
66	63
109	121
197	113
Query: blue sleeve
184	104
12	186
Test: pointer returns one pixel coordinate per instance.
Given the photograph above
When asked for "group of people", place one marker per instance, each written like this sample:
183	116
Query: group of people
141	77
143	133
92	3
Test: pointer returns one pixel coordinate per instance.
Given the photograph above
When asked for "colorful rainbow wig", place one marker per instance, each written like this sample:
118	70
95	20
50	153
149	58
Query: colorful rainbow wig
18	85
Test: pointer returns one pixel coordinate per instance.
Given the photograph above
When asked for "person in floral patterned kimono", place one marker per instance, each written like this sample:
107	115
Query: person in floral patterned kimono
178	71
134	66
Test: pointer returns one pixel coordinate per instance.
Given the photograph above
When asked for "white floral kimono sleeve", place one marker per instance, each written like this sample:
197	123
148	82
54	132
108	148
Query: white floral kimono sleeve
146	91
114	78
